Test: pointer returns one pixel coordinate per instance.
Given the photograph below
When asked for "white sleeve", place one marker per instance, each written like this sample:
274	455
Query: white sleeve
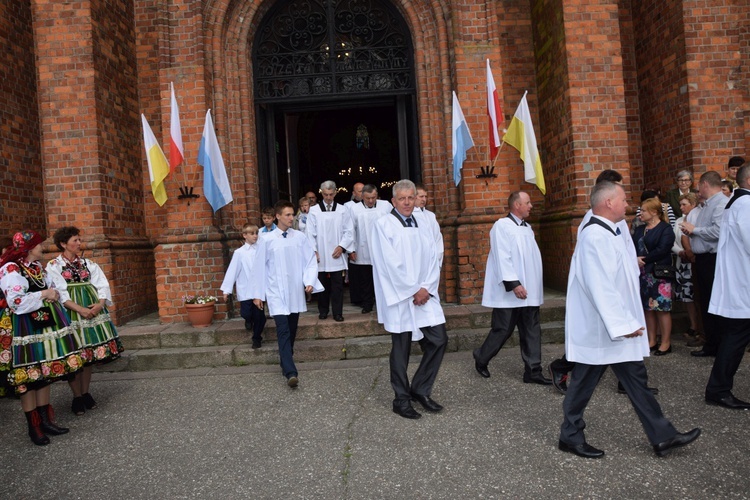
100	282
54	271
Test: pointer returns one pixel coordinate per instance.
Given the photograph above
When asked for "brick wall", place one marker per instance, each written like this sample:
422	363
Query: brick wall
21	175
643	86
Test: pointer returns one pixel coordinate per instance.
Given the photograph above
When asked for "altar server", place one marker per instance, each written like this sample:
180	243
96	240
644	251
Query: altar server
407	274
285	269
604	326
331	233
428	219
364	214
730	300
513	289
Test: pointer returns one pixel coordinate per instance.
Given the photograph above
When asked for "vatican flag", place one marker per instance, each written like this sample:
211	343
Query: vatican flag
158	167
521	136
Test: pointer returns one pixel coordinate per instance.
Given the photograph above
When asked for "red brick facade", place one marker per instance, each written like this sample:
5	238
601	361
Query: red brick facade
643	86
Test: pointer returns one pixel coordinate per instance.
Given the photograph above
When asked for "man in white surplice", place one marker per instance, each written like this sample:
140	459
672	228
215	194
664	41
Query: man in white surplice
513	289
407	273
427	218
604	326
331	233
364	215
730	300
285	269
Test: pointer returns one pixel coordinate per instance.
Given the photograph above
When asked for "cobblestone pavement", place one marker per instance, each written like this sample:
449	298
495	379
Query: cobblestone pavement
240	432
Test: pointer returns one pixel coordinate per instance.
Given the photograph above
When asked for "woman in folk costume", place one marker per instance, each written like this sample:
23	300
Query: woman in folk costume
84	290
45	347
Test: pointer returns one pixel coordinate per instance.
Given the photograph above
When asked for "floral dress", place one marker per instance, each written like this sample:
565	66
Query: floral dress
42	346
83	282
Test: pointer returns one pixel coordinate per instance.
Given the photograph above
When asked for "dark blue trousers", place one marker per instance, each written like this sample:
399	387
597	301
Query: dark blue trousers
255	319
286	332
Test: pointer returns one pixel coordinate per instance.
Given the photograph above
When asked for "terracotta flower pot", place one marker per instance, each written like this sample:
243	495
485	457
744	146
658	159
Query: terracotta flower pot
200	315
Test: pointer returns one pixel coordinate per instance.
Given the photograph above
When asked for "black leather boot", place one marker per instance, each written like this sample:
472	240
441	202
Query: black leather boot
49	426
35	431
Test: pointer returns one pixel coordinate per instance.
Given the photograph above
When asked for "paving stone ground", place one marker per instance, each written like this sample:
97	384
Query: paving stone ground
240	432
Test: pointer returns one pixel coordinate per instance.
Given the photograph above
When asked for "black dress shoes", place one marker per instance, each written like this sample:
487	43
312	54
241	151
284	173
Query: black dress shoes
728	402
427	403
322	316
702	353
537	379
366	310
584	450
338	318
559	380
663	449
407	411
481	369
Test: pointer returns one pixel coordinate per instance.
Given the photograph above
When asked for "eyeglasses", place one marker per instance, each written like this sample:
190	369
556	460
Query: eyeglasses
684	180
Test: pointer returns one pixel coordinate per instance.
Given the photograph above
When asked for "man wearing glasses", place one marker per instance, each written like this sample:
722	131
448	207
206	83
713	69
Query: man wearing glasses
684	181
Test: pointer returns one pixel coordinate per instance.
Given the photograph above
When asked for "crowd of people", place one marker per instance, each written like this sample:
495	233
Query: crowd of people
622	285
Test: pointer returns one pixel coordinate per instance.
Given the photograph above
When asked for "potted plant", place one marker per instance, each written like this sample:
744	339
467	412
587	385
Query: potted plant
200	309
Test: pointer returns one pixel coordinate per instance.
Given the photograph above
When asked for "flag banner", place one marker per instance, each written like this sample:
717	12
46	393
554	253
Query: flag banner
215	182
158	168
461	139
176	151
494	112
521	136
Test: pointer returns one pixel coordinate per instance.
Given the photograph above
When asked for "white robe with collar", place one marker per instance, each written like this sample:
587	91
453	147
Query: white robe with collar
603	302
405	259
626	240
240	271
283	268
429	220
732	276
364	218
514	256
326	231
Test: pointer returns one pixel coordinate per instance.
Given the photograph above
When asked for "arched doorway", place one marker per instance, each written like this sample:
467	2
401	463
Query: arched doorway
334	96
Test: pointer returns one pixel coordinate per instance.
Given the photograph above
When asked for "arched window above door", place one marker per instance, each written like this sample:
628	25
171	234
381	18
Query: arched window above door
332	48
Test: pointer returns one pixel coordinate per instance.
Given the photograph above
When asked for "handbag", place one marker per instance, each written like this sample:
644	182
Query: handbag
665	271
42	318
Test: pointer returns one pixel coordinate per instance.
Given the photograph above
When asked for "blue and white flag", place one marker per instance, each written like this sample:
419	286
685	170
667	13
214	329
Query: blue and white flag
215	183
461	139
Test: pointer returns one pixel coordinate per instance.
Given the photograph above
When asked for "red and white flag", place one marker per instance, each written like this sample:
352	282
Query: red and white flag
176	151
494	112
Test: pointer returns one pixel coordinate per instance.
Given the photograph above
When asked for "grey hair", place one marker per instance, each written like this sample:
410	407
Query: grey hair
328	185
369	188
683	173
602	191
403	185
743	174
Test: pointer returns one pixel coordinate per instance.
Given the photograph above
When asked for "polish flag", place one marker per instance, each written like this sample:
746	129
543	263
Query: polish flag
176	151
494	112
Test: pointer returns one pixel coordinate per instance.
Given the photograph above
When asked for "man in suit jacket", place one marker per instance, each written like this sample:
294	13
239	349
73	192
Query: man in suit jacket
731	303
604	326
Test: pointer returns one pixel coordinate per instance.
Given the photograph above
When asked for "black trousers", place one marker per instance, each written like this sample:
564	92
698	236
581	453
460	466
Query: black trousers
735	339
361	286
632	375
255	319
333	282
703	278
504	321
433	348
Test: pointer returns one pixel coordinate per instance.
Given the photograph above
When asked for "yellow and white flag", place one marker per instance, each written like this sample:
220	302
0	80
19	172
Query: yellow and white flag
521	136
158	167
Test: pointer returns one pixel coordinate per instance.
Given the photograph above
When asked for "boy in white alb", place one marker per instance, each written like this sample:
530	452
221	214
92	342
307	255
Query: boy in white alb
240	273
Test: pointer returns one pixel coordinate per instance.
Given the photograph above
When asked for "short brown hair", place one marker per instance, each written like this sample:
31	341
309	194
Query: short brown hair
64	234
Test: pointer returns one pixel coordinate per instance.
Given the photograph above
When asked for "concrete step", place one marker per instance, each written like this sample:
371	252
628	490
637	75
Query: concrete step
310	349
152	346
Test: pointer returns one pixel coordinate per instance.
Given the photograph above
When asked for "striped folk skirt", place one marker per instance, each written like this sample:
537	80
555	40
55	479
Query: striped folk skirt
98	334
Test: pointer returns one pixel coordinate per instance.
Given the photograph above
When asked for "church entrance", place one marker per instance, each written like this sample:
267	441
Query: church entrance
335	99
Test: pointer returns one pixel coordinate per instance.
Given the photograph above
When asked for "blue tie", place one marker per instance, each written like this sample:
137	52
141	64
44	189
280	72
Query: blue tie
284	234
408	221
618	232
